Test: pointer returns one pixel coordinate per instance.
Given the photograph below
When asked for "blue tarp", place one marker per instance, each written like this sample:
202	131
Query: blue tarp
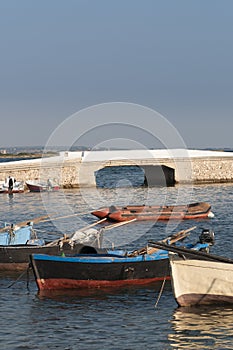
14	237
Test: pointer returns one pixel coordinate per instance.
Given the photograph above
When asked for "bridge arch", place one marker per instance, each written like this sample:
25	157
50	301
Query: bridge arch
113	176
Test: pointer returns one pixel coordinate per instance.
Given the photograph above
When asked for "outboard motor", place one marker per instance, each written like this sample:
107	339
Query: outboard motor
207	236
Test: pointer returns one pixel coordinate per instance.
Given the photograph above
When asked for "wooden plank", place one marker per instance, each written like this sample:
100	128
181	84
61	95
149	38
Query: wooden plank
190	252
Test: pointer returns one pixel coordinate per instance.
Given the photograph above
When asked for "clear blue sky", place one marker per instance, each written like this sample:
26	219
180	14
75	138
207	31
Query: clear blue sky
58	57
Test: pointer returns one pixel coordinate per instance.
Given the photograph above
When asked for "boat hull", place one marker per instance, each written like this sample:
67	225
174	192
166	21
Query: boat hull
157	213
201	282
41	188
70	273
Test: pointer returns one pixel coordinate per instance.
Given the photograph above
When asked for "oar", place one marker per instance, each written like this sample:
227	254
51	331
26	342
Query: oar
82	229
178	236
41	219
174	238
24	223
94	224
109	227
190	252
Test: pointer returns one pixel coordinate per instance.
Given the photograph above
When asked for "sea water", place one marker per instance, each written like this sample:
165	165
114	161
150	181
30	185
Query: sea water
124	318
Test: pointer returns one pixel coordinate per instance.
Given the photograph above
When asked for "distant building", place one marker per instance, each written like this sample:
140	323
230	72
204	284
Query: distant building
3	151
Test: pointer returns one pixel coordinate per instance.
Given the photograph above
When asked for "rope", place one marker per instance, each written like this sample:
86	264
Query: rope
161	289
28	270
176	237
160	292
18	278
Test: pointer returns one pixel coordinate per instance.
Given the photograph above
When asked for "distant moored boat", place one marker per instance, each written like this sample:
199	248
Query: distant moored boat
35	186
17	187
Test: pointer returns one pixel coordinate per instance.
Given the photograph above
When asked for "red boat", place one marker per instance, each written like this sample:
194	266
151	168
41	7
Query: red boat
34	186
200	210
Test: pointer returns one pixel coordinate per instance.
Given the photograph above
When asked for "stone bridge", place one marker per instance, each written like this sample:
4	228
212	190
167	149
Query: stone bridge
166	167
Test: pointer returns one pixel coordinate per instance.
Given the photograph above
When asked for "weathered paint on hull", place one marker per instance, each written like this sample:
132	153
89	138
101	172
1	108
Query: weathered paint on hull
201	282
68	275
51	284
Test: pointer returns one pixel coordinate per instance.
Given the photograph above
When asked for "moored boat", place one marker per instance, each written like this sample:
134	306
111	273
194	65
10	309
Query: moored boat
18	242
197	282
199	278
17	187
199	210
114	268
35	186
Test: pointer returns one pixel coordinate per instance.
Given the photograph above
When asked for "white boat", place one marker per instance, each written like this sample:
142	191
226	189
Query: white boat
196	281
18	187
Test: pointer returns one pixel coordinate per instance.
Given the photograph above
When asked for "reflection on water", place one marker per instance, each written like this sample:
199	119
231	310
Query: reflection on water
202	328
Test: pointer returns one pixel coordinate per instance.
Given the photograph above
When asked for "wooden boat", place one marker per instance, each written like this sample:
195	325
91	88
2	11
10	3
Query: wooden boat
35	186
201	282
18	242
18	187
199	278
201	210
114	268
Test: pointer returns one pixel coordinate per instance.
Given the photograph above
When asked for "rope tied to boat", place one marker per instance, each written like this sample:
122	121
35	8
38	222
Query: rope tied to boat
162	287
20	276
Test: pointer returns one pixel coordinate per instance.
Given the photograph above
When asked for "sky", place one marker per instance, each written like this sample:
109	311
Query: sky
172	56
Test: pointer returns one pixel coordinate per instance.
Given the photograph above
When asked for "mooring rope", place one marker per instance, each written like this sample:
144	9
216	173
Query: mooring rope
18	278
162	288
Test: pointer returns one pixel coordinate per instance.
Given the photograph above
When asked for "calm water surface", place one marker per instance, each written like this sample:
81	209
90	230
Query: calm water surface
113	319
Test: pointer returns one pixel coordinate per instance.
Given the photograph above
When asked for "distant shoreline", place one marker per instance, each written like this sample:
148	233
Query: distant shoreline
26	155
